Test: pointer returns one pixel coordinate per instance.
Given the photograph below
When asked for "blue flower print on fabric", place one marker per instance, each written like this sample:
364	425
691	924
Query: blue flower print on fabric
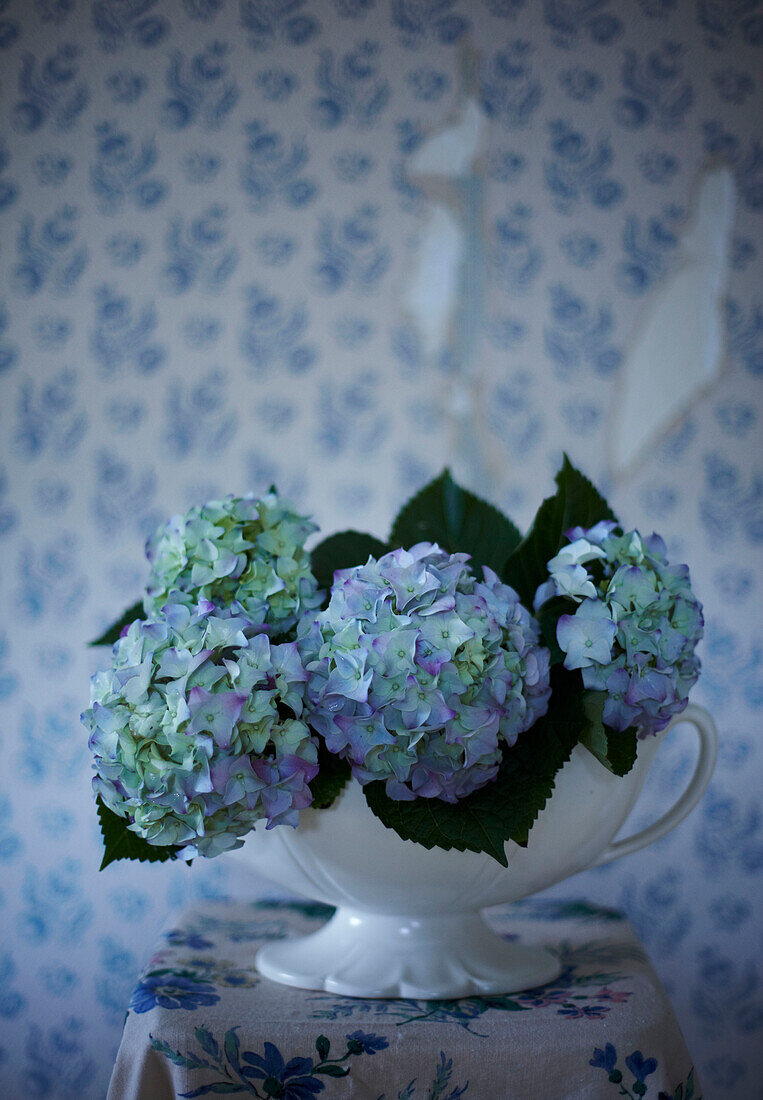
268	24
516	259
57	1060
273	335
51	93
172	989
746	162
580	170
122	497
199	252
8	514
442	1079
121	23
122	337
181	938
727	24
657	166
50	578
510	90
9	191
351	88
200	166
52	169
735	418
745	336
11	844
54	909
49	255
126	86
8	688
640	1068
731	502
656	92
276	85
125	249
353	9
8	351
198	417
579	335
428	85
299	1078
50	417
733	86
9	28
351	416
581	84
352	166
201	331
648	249
581	249
273	169
52	331
505	165
122	172
351	254
575	22
422	21
203	10
201	91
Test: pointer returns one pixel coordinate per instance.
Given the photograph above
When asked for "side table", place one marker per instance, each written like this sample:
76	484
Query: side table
203	1022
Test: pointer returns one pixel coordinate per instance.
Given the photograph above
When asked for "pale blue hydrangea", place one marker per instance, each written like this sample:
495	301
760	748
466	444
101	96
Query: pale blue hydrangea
198	731
420	673
635	629
238	552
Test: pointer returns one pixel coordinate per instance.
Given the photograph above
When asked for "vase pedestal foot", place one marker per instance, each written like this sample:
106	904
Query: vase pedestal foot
359	954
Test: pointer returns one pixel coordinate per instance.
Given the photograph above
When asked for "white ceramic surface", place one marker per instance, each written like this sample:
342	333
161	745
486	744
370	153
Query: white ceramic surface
408	920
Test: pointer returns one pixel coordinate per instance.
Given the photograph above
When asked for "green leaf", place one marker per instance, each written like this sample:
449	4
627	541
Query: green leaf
115	630
207	1042
121	843
217	1087
690	1085
332	776
332	1071
323	1046
576	503
232	1047
342	551
615	749
458	521
506	808
169	1052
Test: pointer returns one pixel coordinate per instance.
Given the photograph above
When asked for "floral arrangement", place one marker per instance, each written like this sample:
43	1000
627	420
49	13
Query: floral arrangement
450	671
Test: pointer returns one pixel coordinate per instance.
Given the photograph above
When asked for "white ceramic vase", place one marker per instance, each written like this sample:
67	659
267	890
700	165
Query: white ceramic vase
408	920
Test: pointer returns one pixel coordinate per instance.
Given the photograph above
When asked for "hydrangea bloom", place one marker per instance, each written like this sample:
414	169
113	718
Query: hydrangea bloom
189	735
419	672
240	550
636	625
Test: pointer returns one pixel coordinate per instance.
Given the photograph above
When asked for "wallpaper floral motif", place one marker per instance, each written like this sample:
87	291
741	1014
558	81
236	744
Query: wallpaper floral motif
206	231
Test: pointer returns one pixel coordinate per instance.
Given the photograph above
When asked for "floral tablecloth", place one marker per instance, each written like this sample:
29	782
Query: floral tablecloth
203	1022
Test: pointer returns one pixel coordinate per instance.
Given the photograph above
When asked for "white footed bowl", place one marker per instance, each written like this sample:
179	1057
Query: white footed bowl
408	920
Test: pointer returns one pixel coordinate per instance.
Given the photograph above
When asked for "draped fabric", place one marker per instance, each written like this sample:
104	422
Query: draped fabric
202	1021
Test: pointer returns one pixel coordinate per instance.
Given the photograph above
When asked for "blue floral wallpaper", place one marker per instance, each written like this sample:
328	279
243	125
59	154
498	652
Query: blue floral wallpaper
207	226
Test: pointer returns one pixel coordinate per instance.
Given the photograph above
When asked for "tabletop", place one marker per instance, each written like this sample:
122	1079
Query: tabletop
203	1022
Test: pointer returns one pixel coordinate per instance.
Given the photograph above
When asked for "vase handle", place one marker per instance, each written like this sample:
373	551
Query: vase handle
708	750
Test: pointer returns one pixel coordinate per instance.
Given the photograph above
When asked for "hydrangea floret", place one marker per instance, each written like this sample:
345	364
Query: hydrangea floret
420	673
238	551
634	632
197	730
